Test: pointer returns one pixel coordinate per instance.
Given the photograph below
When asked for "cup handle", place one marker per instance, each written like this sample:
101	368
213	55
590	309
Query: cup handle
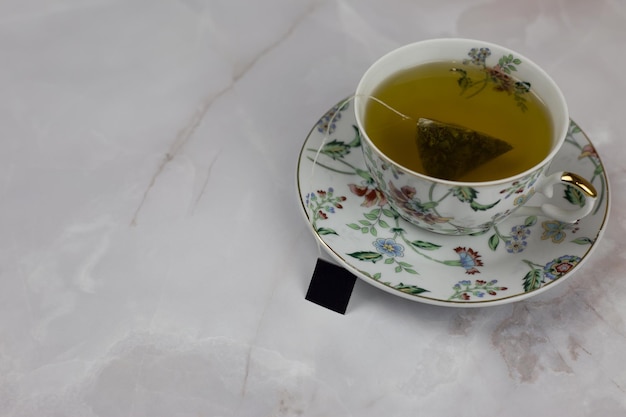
557	213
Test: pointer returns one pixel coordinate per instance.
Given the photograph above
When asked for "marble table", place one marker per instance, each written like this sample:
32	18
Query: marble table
154	255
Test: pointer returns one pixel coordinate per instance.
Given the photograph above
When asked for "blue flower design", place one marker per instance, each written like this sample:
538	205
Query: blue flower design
560	266
328	122
478	56
389	247
469	259
520	232
555	230
520	200
516	245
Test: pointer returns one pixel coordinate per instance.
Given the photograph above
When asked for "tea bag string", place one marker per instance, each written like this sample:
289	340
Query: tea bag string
327	133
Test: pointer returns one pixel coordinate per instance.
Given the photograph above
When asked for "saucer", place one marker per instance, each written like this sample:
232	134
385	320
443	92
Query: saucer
516	259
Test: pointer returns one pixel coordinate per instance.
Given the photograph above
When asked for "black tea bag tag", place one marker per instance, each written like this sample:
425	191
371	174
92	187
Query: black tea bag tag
331	286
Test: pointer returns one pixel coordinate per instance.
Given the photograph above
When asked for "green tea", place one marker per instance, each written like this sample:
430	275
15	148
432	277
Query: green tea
494	104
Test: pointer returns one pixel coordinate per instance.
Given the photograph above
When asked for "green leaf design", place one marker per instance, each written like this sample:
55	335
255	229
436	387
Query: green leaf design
599	170
354	226
532	280
390	213
364	174
335	149
425	245
530	221
372	215
574	196
480	232
506	63
389	261
410	289
464	194
366	256
464	81
322	231
430	205
356	142
583	241
482	207
383	223
494	241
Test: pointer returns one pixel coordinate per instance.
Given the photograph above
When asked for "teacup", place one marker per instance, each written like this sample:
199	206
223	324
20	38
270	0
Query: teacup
454	207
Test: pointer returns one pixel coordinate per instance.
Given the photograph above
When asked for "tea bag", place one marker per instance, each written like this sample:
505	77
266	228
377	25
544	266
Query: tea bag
449	151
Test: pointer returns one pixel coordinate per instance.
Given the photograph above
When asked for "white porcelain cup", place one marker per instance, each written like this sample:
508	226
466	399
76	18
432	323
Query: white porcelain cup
457	208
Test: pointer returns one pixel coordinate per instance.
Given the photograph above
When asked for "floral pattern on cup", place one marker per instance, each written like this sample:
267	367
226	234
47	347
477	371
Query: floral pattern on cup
498	76
423	207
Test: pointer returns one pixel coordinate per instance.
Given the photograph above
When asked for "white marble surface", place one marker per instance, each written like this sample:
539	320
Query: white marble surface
153	257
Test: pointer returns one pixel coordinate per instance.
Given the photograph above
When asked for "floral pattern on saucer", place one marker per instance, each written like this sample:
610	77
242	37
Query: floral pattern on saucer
510	261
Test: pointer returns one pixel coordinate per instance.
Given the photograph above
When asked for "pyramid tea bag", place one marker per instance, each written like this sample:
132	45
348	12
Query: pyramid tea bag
449	151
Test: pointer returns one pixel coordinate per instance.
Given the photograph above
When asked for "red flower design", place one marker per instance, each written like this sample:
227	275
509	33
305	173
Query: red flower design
588	150
470	260
503	81
372	195
405	197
